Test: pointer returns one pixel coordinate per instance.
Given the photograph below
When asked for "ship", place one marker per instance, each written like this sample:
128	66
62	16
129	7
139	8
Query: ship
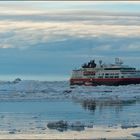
92	74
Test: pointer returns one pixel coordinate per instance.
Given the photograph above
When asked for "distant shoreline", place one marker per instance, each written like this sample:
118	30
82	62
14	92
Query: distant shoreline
30	77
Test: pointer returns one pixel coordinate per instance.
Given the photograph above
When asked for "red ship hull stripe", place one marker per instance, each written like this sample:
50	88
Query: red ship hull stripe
101	79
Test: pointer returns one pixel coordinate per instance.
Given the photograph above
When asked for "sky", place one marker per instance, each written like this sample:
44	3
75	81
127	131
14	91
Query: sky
47	40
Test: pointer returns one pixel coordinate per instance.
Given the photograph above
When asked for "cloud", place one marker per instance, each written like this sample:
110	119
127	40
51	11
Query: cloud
24	27
27	33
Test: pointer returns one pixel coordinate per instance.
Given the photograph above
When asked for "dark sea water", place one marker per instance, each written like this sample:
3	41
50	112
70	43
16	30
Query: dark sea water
29	105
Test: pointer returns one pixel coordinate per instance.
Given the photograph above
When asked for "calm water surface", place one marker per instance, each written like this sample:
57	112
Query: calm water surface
29	114
28	106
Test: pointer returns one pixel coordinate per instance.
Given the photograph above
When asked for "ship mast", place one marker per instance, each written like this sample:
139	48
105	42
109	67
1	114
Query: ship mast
118	61
90	50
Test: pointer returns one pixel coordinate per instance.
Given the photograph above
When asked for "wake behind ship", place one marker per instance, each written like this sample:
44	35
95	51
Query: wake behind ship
105	74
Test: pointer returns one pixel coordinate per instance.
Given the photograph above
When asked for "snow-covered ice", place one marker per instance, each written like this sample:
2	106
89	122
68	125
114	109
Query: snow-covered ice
30	89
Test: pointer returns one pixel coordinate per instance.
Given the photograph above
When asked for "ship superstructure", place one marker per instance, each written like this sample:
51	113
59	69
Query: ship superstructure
105	74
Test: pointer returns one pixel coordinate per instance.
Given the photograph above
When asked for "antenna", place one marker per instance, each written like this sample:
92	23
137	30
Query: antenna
100	62
90	50
118	61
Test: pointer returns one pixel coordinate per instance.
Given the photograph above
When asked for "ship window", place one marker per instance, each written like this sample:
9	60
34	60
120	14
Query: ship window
111	76
116	76
122	76
106	74
106	77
